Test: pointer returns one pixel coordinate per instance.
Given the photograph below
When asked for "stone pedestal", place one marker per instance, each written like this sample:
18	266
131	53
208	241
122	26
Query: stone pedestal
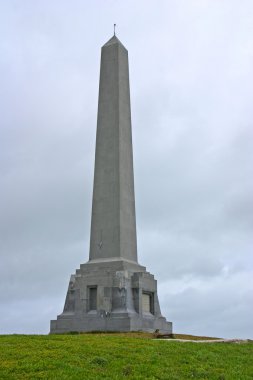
110	295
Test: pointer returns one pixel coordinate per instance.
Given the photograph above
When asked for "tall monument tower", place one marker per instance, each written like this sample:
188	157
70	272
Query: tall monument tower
112	291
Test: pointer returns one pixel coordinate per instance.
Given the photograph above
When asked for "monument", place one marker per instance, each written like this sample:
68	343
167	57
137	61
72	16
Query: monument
112	291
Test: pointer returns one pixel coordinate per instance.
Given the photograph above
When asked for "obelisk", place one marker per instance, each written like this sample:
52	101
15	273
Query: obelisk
112	291
113	226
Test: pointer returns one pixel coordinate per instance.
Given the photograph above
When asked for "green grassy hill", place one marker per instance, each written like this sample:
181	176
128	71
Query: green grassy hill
120	356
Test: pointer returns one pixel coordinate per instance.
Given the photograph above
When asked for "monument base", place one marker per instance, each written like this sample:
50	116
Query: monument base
111	295
111	323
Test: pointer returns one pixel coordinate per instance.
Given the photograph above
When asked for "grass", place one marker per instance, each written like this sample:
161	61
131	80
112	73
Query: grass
120	356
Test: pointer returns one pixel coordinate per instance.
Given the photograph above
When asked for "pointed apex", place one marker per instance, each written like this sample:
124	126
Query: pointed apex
112	41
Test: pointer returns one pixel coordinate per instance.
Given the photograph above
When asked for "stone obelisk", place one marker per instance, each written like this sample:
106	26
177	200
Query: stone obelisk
113	226
112	291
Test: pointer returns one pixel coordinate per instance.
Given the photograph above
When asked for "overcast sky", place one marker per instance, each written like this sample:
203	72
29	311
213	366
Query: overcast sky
191	78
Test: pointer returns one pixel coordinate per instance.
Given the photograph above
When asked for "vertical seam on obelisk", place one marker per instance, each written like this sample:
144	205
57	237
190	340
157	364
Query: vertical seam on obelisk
131	163
118	153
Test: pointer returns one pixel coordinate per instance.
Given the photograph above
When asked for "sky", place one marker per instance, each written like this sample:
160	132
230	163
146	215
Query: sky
191	74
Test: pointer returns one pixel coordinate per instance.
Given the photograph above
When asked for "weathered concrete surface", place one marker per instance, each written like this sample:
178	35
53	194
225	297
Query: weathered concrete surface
112	292
113	226
120	286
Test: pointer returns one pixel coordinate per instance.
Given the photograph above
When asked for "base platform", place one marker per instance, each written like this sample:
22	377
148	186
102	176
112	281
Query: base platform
111	295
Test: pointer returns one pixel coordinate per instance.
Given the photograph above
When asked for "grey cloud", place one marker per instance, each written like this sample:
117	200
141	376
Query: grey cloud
190	72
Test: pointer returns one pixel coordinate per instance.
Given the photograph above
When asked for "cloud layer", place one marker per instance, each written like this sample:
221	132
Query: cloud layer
191	89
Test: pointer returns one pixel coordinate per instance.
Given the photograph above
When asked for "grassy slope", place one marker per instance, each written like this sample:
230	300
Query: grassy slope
120	356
